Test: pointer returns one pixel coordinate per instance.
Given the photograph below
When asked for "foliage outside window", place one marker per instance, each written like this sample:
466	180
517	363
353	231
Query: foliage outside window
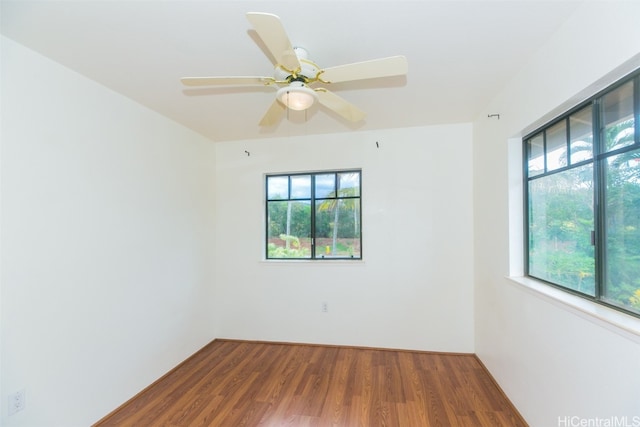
314	215
582	198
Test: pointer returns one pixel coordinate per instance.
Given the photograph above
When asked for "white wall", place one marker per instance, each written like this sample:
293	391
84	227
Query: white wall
550	360
414	287
106	243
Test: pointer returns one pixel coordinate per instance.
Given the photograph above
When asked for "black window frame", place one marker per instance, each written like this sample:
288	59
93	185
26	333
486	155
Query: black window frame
599	159
312	199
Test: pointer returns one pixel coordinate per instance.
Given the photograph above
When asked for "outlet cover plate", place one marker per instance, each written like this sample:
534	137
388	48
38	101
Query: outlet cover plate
17	402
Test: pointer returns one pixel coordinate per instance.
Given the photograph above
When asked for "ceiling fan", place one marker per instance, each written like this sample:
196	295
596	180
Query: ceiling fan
295	75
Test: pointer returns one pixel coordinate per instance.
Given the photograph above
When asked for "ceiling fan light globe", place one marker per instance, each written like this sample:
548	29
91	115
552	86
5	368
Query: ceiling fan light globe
297	97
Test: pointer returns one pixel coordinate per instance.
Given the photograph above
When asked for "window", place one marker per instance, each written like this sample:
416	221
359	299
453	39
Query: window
582	199
314	215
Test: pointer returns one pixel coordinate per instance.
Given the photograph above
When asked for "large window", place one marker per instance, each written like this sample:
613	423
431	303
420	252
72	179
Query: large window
582	198
314	215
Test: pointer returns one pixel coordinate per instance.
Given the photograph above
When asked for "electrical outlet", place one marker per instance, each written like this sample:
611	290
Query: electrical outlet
325	307
17	402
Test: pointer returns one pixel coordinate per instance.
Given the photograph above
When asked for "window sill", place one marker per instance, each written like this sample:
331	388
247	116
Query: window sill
620	323
342	261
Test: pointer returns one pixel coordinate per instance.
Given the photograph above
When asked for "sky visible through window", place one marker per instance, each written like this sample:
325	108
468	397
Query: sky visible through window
301	185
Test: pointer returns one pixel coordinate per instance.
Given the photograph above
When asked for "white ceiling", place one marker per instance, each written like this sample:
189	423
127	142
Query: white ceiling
460	53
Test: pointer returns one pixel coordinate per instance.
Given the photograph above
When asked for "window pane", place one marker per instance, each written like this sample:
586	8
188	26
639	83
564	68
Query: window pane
622	228
289	229
560	225
306	224
325	185
349	184
581	135
337	228
277	187
535	150
301	187
617	118
557	146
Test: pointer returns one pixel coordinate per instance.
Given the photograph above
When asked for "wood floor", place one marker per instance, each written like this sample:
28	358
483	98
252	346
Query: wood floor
237	383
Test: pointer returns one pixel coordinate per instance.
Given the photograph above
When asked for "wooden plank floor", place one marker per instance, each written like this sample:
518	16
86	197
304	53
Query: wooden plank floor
237	383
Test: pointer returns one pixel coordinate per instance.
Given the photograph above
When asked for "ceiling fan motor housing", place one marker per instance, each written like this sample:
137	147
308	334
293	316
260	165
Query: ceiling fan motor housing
308	69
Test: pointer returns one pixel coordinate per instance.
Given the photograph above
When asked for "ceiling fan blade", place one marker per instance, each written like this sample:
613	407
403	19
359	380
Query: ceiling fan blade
340	105
226	81
384	67
274	36
274	114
